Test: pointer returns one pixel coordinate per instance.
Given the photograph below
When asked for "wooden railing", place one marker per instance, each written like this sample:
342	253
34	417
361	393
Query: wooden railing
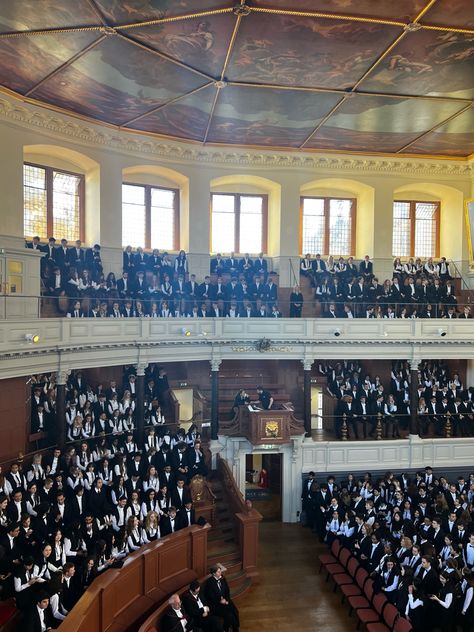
120	599
246	519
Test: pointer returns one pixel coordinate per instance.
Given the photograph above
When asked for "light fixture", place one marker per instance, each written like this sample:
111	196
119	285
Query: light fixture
337	333
185	331
32	338
442	332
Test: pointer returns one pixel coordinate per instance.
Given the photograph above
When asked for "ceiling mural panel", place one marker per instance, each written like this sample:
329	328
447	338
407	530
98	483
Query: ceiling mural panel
151	66
187	118
117	81
254	116
385	124
132	11
296	51
451	12
404	10
427	63
29	15
202	43
456	138
24	61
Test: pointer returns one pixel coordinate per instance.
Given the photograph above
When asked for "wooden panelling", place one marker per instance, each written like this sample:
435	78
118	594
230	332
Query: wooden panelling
14	418
121	598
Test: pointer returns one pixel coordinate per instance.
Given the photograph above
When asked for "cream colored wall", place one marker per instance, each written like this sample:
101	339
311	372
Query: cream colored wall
104	166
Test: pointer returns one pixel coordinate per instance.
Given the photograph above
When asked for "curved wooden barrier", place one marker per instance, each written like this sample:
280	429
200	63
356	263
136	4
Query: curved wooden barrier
121	598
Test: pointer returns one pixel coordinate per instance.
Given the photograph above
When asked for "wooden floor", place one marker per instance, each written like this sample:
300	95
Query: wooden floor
290	596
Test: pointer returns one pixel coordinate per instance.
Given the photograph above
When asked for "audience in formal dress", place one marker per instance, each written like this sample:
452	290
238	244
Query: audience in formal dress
413	533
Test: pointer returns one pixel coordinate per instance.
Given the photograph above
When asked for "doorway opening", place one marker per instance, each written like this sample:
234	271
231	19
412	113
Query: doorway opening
263	484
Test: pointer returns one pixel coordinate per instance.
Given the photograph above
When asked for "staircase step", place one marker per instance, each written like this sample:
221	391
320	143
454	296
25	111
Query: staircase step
241	589
221	554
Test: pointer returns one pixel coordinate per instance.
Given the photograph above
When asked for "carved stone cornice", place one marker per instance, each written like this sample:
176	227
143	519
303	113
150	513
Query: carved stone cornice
92	133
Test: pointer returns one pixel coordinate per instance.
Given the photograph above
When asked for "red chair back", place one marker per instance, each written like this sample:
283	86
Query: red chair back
402	625
390	615
336	548
344	557
369	589
379	603
352	567
361	577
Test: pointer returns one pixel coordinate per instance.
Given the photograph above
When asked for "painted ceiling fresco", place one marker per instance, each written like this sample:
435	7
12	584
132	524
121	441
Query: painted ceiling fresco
344	75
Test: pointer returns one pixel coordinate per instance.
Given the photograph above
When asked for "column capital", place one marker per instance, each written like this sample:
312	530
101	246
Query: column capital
62	376
414	363
307	363
215	364
141	367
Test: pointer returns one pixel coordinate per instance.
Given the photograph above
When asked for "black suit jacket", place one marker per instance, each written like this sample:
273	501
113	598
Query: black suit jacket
32	621
170	621
212	593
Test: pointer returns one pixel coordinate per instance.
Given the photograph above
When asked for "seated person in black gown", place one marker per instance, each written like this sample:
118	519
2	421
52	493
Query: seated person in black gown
241	399
217	593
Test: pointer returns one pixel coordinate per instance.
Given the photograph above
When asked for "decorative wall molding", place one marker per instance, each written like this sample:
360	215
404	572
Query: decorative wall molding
89	342
101	135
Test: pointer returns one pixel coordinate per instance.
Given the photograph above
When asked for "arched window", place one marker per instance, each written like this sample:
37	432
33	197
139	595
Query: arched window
53	202
415	229
239	222
328	225
150	216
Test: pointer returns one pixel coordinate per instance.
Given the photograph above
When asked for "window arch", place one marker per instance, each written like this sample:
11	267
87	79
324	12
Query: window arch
151	205
54	180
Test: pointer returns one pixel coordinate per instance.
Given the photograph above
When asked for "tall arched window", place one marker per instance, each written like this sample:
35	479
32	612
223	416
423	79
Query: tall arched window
53	202
150	216
328	225
415	229
239	222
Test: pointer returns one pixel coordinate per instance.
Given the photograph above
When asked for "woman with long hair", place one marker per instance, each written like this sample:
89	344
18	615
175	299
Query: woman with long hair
151	527
134	536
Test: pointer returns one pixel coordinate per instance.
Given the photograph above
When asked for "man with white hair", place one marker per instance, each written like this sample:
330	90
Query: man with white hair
175	619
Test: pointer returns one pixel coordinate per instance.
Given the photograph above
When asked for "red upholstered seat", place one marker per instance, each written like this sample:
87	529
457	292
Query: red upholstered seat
332	557
374	614
402	625
390	615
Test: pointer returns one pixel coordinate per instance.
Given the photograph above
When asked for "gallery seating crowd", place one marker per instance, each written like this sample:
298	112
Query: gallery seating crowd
362	400
158	285
71	514
412	534
155	285
417	289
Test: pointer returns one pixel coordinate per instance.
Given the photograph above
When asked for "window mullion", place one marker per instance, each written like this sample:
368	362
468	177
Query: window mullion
327	212
49	201
148	217
237	223
412	228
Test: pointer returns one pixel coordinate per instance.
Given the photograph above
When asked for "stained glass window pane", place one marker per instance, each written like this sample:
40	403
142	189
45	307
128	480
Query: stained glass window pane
313	226
66	206
401	230
340	227
425	229
35	206
133	215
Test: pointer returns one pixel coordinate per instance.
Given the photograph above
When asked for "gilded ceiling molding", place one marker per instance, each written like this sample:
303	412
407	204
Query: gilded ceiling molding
121	140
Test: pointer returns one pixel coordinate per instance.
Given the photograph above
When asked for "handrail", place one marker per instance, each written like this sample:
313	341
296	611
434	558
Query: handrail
292	270
459	275
246	519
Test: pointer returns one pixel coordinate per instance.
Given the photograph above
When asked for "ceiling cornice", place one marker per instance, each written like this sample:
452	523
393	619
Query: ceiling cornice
88	132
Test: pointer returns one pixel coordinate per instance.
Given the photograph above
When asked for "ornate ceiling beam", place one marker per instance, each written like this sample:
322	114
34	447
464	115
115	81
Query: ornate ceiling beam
342	92
380	58
158	53
218	85
98	12
435	127
66	64
321	123
164	105
175	18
